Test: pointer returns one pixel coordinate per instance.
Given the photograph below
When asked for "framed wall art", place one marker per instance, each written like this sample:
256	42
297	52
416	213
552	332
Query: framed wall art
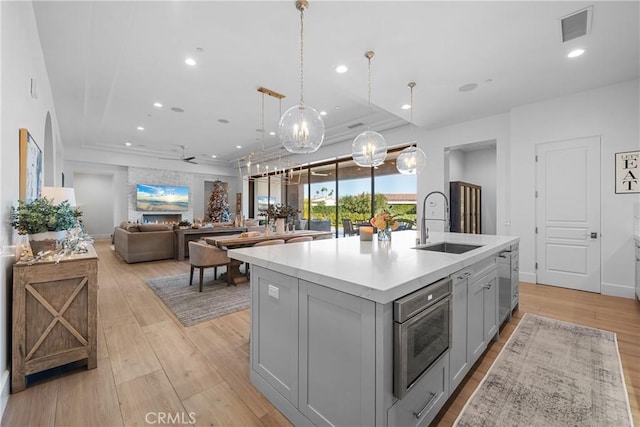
628	172
30	184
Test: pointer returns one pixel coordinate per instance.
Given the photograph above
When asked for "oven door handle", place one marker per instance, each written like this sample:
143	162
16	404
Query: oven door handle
427	311
426	405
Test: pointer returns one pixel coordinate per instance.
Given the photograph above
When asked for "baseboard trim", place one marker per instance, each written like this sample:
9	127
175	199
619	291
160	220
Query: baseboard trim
101	236
527	277
5	390
616	290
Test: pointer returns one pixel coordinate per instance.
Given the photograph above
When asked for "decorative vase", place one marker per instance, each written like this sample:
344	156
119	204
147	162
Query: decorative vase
47	241
384	234
280	225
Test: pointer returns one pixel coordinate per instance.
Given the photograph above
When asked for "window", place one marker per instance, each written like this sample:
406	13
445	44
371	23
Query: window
326	194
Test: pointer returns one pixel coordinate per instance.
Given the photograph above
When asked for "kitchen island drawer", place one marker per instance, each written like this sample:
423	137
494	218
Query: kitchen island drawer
426	398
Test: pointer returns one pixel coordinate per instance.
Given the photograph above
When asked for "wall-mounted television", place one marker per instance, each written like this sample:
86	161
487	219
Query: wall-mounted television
168	198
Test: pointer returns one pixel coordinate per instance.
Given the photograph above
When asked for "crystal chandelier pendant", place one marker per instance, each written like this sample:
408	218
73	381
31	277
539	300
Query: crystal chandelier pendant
301	129
411	160
369	149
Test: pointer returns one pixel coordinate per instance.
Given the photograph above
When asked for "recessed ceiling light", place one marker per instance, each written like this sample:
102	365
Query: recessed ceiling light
213	156
190	61
468	87
157	105
323	113
272	133
340	69
140	128
575	53
238	146
177	109
337	107
406	107
128	144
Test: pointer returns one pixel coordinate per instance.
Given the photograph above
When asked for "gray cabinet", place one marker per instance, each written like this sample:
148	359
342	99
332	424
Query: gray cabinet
490	285
482	323
313	350
475	316
275	333
508	282
337	357
475	321
428	395
458	366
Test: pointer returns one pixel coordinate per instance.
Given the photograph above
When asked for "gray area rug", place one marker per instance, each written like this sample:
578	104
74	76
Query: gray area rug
191	306
552	373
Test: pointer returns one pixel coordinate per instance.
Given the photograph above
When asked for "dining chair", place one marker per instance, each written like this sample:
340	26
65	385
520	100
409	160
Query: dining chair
203	255
347	228
300	239
270	242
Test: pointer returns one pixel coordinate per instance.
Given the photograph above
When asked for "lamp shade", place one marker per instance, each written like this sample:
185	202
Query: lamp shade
60	194
369	149
411	160
301	129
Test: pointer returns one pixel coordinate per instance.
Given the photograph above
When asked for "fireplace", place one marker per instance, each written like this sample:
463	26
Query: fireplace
161	218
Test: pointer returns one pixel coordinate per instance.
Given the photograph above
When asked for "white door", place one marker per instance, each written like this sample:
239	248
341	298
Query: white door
568	213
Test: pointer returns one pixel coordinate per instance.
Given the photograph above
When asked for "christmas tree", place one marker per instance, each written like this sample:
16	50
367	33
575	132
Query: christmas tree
218	210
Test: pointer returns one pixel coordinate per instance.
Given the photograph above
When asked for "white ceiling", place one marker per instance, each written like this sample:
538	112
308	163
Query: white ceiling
108	62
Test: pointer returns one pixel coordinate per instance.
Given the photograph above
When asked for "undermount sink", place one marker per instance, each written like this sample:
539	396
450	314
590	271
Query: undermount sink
449	248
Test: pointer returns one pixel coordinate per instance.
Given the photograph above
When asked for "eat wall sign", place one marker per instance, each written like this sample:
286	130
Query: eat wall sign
628	172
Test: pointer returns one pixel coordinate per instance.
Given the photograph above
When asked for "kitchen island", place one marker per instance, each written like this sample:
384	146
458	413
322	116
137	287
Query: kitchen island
322	329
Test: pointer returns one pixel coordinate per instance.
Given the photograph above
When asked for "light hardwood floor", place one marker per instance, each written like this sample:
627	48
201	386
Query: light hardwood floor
149	366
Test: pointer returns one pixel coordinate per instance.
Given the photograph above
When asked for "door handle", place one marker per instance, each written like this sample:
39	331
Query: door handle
594	235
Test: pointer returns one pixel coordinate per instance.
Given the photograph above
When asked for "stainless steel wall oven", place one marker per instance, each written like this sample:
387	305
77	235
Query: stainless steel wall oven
422	333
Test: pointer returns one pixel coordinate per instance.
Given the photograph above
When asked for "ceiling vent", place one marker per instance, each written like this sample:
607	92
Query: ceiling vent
355	125
576	25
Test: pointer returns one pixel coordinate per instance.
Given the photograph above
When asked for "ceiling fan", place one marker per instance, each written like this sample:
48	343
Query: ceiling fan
182	156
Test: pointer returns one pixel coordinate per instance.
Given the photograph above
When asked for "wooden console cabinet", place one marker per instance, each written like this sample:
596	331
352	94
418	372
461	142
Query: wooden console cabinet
54	315
466	204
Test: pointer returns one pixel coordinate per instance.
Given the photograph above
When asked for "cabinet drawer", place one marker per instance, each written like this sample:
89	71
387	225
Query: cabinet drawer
421	405
482	269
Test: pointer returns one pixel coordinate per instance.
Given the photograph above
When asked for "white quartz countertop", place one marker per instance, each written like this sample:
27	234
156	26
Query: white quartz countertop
377	271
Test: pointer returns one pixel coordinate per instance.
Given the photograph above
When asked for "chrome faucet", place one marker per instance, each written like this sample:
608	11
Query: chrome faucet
424	231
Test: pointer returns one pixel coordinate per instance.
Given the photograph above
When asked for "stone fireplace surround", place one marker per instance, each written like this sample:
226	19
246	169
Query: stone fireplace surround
138	175
161	218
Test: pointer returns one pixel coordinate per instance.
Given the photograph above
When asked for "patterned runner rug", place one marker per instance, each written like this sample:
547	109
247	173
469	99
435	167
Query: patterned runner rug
552	373
191	306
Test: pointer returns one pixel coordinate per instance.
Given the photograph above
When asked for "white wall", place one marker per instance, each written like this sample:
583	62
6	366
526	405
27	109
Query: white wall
117	194
97	210
480	169
5	256
611	112
21	59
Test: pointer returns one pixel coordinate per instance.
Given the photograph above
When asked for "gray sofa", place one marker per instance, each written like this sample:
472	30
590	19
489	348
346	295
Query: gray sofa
144	242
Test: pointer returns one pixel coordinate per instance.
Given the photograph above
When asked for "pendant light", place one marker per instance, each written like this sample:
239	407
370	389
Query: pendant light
301	129
369	149
411	159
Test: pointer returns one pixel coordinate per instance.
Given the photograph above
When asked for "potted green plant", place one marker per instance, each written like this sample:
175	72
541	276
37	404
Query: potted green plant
44	221
184	224
280	213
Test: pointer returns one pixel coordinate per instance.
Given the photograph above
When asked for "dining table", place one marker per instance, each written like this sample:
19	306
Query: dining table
244	240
